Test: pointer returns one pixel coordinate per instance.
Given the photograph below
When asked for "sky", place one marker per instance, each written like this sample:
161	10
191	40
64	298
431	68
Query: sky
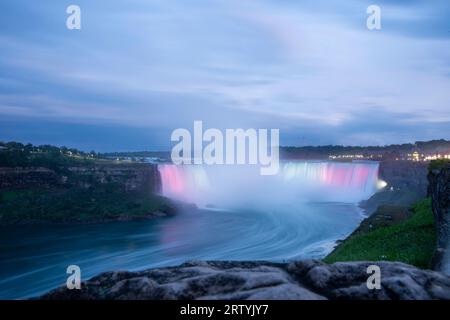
139	69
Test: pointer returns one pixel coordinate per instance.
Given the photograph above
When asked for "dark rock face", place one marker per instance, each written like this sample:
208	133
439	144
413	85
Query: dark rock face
131	177
42	178
405	175
307	280
439	191
406	184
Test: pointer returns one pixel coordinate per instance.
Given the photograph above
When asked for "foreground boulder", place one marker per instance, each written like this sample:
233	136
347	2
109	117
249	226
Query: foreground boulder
308	279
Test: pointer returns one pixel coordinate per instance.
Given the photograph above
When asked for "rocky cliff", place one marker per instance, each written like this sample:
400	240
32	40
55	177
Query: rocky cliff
131	177
405	175
406	184
93	192
439	191
309	280
31	177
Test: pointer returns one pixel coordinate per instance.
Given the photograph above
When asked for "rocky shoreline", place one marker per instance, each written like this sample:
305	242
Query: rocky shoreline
124	217
253	280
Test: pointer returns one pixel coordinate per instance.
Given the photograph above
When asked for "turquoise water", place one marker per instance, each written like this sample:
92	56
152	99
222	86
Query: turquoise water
34	258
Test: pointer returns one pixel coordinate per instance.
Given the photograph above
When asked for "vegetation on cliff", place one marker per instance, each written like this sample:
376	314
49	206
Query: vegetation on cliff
412	240
104	203
15	154
438	164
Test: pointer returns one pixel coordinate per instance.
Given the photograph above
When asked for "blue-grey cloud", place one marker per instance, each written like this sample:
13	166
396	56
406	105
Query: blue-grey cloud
137	70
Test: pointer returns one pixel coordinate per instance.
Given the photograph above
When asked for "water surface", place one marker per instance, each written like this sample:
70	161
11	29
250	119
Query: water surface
34	258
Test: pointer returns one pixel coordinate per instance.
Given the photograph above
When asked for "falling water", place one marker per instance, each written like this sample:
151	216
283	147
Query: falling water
229	186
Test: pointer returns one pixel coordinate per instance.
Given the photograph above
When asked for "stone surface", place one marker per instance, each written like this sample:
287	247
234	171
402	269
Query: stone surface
307	280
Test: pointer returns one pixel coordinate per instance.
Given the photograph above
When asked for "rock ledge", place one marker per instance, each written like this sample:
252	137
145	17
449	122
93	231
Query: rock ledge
307	280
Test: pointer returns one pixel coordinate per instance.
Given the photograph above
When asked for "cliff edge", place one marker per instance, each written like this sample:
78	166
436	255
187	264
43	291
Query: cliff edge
439	191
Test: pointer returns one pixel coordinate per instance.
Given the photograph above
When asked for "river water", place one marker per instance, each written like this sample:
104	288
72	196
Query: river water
34	258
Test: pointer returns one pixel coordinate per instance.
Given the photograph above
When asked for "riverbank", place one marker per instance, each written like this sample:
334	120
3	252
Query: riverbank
392	233
417	234
399	223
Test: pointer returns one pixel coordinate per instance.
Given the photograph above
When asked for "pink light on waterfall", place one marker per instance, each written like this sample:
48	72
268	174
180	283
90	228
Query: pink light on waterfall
337	174
299	180
173	179
184	182
354	175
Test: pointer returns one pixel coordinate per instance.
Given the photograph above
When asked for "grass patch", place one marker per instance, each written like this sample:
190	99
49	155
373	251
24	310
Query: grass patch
437	164
411	241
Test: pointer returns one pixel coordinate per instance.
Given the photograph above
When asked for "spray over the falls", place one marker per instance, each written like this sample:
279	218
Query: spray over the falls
237	186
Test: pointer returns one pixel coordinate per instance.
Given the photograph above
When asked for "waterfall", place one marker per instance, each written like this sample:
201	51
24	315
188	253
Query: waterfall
228	186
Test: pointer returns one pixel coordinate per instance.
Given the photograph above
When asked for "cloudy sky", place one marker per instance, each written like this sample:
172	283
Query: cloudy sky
139	69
